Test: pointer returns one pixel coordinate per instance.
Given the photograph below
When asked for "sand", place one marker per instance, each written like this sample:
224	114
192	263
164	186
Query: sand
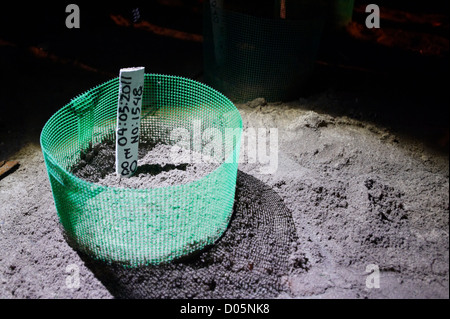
347	196
157	166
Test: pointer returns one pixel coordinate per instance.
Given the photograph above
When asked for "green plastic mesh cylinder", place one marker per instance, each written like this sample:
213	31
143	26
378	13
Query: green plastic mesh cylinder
136	227
248	56
342	13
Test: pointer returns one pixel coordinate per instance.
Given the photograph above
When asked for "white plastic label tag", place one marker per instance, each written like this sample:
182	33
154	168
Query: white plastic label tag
131	91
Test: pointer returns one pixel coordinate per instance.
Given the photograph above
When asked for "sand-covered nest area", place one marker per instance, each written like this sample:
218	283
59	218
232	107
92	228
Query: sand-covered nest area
355	204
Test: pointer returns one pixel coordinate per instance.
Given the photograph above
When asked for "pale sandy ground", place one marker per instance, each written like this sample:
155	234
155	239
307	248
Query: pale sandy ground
352	193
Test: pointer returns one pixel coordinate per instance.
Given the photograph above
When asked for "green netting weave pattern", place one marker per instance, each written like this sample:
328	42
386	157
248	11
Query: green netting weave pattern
137	227
246	56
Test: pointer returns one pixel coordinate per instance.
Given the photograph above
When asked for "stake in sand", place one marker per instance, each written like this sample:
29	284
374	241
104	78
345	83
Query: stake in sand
280	9
131	90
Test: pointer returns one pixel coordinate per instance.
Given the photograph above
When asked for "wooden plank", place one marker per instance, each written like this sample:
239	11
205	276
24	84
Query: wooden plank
7	167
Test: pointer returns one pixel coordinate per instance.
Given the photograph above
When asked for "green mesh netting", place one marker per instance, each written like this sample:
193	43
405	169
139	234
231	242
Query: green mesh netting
142	226
342	12
248	56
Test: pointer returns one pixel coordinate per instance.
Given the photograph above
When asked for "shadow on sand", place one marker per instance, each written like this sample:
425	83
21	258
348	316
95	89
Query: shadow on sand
248	261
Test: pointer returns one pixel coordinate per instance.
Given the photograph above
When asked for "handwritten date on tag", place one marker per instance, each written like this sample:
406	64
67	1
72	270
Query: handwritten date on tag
131	91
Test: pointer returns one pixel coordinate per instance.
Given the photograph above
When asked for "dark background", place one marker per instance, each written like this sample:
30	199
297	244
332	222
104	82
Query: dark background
397	73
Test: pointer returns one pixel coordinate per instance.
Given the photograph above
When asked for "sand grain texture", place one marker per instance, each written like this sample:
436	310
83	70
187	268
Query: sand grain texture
346	194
